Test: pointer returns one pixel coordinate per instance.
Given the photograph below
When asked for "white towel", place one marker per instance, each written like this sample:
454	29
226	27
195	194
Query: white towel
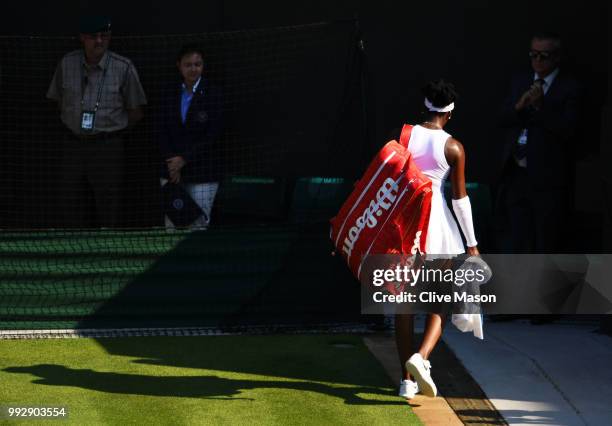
469	322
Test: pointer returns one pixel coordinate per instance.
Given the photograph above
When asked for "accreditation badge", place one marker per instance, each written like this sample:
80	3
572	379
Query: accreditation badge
88	119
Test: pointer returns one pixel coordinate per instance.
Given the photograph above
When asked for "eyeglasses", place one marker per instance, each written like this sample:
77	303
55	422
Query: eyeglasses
103	36
542	55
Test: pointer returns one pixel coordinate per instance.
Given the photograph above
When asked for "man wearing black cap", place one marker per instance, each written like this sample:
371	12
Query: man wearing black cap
99	95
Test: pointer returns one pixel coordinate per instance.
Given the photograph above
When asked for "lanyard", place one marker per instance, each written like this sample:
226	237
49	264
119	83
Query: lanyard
100	84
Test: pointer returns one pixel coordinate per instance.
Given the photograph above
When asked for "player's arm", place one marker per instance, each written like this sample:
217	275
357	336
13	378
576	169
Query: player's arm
455	157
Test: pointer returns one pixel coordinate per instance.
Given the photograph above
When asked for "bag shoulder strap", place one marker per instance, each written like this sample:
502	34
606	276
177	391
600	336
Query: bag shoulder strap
405	136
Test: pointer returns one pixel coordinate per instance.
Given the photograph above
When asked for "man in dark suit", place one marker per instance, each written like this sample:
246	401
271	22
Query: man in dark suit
540	119
189	134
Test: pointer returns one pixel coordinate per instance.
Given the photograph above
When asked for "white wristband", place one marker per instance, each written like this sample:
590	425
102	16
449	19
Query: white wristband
463	211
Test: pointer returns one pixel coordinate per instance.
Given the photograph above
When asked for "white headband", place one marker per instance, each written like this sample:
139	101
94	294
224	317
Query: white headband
432	108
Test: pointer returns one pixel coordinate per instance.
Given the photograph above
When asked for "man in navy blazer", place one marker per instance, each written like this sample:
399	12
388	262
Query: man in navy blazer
540	118
190	128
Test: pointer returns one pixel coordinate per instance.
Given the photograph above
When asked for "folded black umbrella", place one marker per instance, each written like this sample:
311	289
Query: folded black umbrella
179	206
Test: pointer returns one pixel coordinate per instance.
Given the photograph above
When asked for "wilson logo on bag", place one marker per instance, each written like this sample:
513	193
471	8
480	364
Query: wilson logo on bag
385	198
388	210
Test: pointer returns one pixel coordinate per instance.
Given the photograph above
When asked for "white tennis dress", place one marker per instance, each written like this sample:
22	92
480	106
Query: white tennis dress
427	148
443	236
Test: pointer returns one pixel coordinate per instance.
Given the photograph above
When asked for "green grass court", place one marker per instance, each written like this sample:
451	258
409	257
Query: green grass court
222	278
218	278
282	379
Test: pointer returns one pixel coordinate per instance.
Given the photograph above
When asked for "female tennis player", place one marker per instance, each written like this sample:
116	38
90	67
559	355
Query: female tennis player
439	156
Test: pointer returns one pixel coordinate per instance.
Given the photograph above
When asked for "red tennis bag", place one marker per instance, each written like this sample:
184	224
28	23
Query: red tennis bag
388	210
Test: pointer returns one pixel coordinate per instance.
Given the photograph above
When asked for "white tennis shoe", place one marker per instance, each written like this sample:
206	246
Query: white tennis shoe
420	368
408	389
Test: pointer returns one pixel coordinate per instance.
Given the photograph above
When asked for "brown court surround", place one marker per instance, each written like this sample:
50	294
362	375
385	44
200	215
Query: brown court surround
460	400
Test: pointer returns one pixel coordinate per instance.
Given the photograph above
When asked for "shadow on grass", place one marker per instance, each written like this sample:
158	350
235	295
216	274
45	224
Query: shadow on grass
206	387
240	278
321	358
230	279
225	278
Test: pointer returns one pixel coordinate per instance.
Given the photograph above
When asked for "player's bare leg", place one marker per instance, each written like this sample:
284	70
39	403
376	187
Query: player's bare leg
404	336
431	335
